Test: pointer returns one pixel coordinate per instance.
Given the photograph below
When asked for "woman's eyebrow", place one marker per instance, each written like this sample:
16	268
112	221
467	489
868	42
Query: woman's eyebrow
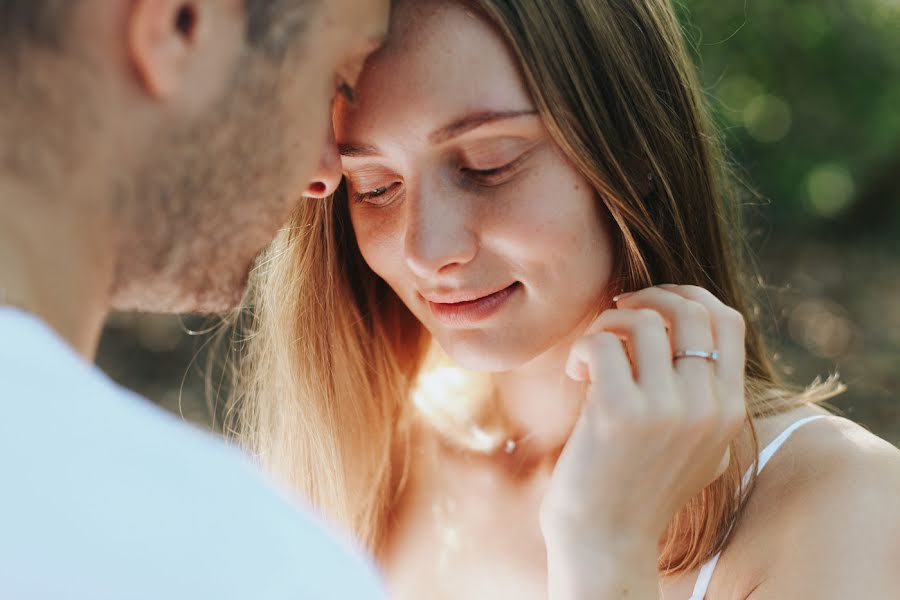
444	134
474	121
357	150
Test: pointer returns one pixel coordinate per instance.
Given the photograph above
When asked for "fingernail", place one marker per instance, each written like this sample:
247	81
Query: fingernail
622	297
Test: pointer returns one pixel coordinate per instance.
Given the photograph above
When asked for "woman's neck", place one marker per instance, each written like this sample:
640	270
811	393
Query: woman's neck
540	404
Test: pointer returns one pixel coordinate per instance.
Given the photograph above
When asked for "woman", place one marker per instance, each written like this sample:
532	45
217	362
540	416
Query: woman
460	356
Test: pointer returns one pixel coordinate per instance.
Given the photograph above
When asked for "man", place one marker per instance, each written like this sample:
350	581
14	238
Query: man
149	149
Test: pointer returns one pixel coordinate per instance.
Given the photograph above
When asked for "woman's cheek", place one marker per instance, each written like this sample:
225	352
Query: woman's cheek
379	236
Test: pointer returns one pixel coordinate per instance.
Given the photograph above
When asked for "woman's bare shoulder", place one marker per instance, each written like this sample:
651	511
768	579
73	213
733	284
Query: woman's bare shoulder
825	515
831	452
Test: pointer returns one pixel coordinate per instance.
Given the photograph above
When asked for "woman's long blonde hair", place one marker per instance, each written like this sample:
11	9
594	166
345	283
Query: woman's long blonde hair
329	355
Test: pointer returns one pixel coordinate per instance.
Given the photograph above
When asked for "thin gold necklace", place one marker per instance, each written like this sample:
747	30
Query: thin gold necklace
512	444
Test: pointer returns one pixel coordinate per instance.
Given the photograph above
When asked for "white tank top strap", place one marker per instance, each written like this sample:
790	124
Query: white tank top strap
769	451
705	576
707	570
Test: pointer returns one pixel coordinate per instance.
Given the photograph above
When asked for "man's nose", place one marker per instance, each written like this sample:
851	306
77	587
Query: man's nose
327	176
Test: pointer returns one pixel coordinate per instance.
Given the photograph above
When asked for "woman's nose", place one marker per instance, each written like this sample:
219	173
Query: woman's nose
439	235
327	176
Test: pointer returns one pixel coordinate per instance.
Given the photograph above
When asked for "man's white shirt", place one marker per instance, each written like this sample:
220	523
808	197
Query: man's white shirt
105	496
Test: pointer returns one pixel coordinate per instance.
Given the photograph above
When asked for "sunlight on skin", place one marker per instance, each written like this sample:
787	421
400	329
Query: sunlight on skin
448	397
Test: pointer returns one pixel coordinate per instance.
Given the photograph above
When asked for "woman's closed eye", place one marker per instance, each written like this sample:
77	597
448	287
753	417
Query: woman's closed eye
496	162
372	184
479	164
383	194
378	196
492	176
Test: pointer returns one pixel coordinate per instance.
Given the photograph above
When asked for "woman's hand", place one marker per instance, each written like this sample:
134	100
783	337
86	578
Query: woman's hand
654	431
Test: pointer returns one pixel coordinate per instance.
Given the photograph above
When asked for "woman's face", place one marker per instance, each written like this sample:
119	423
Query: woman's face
461	201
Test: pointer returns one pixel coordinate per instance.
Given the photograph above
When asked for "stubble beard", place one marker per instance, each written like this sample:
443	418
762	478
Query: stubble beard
205	206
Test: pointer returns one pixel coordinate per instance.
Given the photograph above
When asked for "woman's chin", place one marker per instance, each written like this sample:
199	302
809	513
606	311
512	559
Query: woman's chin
486	357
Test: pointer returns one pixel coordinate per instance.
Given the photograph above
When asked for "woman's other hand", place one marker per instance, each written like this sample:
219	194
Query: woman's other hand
654	430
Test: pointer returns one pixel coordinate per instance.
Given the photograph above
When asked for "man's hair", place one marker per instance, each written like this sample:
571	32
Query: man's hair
34	22
272	25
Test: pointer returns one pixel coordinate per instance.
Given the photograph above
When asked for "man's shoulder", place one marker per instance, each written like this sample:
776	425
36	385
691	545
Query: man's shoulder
102	488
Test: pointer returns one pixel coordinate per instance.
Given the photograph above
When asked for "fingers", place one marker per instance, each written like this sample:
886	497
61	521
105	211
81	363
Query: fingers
597	358
729	331
600	360
670	416
646	341
689	322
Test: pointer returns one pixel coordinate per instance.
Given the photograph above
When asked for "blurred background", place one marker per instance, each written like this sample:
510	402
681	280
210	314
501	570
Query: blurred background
807	93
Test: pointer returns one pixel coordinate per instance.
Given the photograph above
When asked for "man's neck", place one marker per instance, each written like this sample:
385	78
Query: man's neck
56	262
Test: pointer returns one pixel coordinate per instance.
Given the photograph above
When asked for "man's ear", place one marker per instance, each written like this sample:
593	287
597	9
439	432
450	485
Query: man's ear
161	35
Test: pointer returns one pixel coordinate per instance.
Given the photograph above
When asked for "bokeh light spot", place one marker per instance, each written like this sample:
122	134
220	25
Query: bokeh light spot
767	118
823	328
831	189
735	92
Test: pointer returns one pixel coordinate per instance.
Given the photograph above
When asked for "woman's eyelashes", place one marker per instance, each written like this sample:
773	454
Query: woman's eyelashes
383	194
496	163
379	196
492	176
479	170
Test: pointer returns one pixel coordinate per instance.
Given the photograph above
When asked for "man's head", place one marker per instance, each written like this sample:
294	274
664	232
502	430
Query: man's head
201	122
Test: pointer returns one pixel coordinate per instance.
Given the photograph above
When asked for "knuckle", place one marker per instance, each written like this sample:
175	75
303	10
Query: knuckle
735	319
694	312
638	295
603	320
606	341
603	343
649	318
695	290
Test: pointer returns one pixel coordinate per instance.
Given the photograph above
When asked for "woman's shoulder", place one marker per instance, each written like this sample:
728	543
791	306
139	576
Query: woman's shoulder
828	464
827	453
825	513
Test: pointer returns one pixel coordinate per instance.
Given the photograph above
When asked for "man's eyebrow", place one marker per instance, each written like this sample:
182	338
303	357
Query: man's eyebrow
474	121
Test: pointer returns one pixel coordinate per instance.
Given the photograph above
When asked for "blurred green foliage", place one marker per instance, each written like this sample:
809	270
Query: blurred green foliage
808	92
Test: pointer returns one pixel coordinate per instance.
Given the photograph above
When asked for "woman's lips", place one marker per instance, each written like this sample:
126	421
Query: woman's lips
471	312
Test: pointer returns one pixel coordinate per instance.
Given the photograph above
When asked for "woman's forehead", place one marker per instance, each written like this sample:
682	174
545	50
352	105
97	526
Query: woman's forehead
441	61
